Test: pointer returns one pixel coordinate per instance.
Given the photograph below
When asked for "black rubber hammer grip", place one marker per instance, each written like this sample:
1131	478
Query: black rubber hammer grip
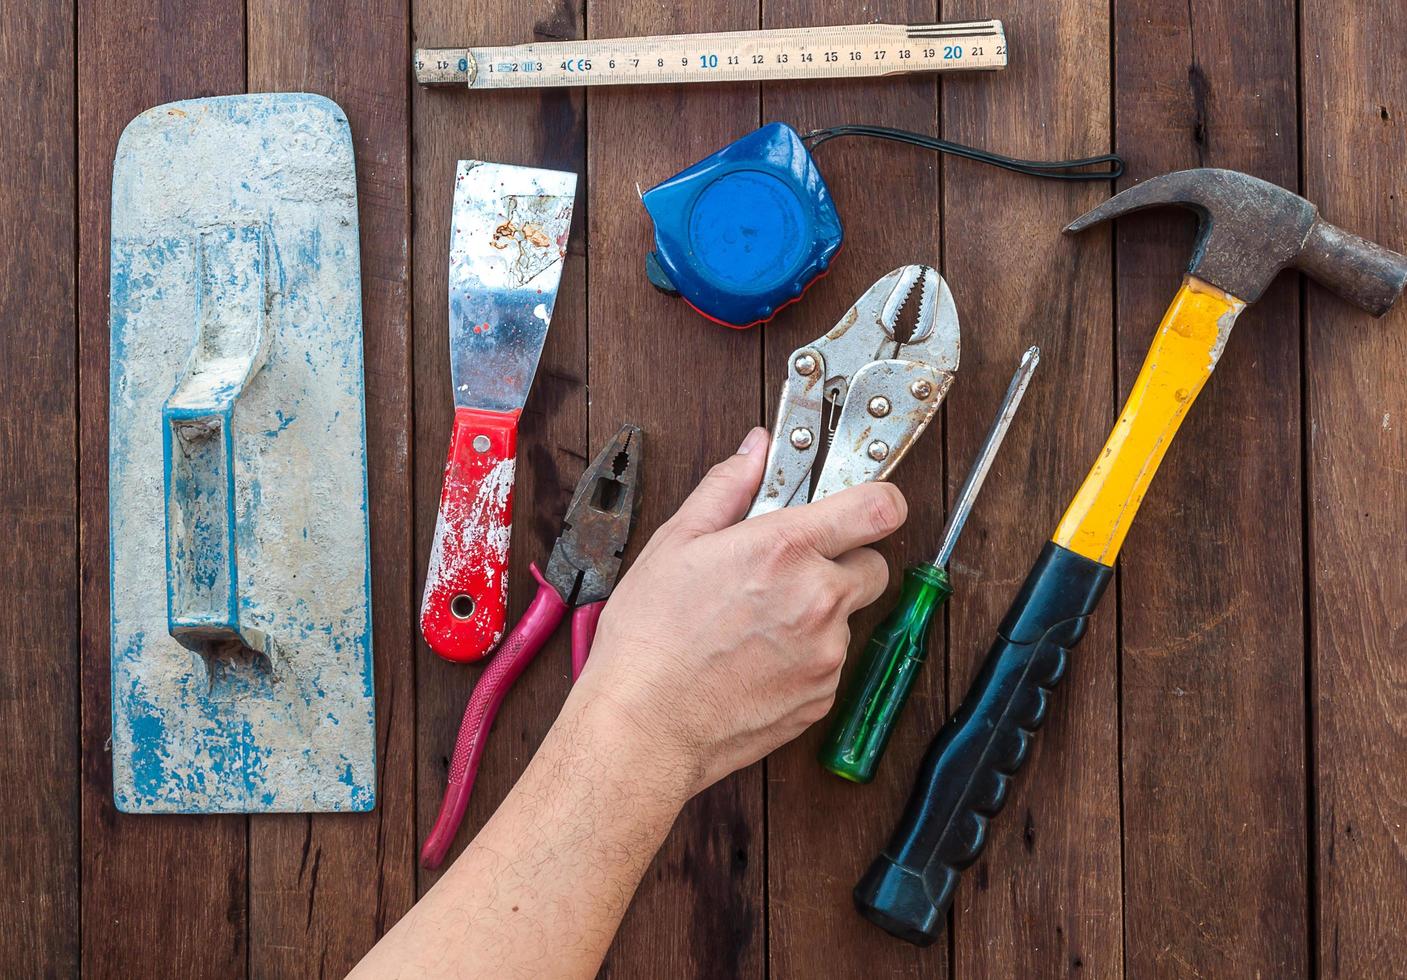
965	775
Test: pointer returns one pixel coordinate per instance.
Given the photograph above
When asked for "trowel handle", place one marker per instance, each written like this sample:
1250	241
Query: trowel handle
206	607
466	587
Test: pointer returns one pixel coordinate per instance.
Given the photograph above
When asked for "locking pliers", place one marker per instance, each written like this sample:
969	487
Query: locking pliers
856	399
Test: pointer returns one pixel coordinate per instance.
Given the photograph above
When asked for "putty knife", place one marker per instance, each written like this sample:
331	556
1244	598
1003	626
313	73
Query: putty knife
241	594
507	247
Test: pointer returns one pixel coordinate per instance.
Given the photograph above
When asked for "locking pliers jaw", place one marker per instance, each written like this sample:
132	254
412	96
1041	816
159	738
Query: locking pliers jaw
857	398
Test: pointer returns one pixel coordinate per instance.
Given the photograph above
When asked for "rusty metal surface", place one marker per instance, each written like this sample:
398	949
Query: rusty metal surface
824	418
1250	229
585	561
509	240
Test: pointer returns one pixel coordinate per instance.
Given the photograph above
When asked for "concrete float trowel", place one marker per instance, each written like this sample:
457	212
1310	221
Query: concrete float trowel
241	592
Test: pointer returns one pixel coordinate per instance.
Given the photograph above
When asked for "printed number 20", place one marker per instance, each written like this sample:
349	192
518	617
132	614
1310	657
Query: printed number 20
952	51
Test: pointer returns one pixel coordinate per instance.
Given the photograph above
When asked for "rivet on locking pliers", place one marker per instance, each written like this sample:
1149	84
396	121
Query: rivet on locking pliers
805	365
879	406
801	438
878	450
921	389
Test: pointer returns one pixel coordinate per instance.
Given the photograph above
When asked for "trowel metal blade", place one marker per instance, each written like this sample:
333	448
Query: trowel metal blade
507	248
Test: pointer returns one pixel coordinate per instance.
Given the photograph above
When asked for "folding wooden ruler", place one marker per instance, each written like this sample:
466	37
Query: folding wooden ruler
857	51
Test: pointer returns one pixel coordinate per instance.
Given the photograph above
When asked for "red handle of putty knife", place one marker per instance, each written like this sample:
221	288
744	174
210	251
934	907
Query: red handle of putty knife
516	653
466	587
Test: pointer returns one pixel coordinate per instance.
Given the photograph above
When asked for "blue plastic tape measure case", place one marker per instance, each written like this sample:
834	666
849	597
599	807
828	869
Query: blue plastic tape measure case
743	232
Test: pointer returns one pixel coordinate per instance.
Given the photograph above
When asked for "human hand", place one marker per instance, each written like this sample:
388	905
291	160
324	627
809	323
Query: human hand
726	638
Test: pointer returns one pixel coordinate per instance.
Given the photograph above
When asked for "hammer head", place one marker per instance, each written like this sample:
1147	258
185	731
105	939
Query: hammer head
1250	229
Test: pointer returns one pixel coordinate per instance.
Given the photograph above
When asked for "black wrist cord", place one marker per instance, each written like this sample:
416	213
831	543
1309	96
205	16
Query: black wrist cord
1050	169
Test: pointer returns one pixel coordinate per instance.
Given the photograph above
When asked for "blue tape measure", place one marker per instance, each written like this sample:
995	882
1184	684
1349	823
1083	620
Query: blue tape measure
742	233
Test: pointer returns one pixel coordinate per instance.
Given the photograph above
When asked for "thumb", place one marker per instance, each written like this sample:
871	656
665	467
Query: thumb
723	496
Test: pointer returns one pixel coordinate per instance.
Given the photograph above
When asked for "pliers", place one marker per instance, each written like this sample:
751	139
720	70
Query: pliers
857	398
581	573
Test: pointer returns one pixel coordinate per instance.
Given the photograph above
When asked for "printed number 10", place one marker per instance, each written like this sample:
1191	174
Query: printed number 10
708	61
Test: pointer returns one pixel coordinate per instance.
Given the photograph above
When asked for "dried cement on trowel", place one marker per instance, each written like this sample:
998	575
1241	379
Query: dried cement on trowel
295	731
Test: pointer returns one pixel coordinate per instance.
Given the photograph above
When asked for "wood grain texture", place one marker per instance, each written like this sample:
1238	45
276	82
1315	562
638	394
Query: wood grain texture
695	388
143	910
540	129
822	832
1045	897
1211	575
38	493
1261	824
1355	108
323	888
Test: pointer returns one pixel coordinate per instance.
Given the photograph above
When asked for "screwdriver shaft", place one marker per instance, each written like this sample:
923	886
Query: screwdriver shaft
962	506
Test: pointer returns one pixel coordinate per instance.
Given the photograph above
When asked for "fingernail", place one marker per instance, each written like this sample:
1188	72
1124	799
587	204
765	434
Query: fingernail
754	440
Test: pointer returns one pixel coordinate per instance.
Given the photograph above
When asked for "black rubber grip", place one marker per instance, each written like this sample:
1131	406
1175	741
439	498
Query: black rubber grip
965	774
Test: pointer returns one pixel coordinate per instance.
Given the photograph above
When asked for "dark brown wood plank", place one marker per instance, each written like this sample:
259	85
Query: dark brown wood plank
161	895
822	831
1211	582
1355	110
695	388
323	888
542	129
38	493
1045	897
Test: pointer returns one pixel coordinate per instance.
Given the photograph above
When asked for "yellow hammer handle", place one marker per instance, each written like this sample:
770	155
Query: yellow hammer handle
1179	362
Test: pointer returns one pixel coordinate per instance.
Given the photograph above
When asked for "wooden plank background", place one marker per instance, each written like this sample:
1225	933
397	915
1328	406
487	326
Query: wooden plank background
1222	787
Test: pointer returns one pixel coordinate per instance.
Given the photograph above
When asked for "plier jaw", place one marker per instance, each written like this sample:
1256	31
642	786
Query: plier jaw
586	558
856	399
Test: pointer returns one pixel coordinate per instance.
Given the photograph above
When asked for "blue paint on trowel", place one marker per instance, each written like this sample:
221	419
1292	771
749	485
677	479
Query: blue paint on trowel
240	561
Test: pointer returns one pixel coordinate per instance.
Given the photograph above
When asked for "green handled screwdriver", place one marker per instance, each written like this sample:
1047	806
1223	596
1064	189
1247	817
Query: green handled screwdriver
899	644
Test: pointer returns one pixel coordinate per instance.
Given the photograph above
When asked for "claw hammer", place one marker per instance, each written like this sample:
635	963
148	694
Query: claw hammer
1249	230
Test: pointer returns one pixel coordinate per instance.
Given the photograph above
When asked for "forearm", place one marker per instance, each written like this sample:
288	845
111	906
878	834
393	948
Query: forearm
541	889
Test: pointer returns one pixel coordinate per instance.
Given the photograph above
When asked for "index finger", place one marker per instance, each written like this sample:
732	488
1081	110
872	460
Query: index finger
844	521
